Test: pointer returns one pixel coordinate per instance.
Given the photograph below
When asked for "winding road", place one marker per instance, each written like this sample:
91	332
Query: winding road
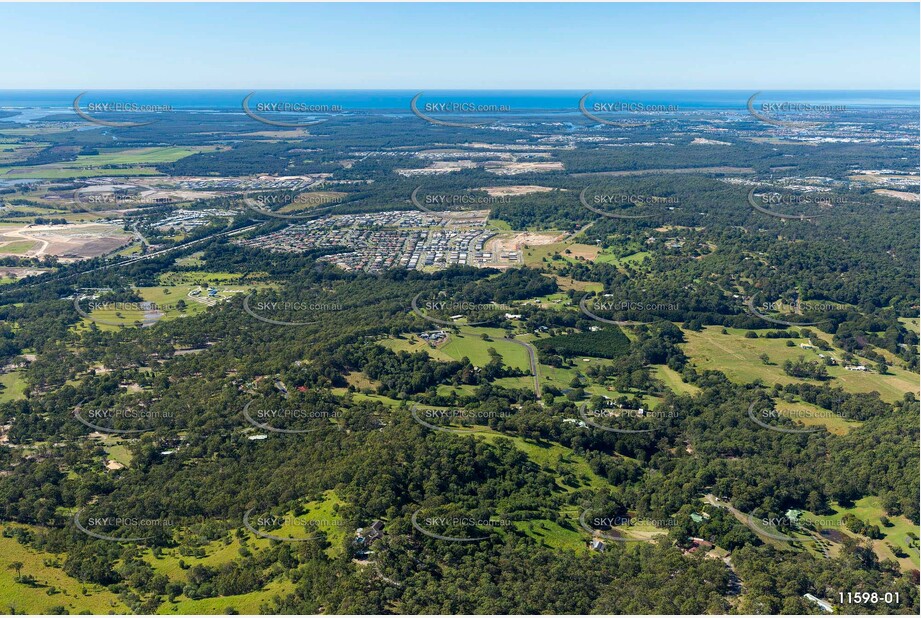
532	359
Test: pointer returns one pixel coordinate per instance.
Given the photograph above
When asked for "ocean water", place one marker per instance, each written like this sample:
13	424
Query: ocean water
397	101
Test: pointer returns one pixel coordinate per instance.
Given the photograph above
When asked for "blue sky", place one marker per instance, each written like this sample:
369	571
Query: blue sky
477	46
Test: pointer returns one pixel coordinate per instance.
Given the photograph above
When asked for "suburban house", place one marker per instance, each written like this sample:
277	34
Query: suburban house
372	533
825	605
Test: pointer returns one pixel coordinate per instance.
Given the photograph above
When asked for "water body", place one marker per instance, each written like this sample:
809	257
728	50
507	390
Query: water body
32	104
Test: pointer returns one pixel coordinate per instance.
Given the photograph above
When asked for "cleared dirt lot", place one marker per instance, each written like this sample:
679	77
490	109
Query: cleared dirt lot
900	195
71	242
508	249
515	190
504	168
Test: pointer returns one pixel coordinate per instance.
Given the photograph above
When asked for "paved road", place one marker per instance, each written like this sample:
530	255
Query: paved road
583	229
532	359
176	247
147	256
140	237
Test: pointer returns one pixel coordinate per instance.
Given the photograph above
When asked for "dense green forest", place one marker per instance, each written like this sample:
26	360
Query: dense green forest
195	438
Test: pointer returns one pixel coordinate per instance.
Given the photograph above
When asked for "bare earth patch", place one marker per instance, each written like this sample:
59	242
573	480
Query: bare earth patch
702	141
899	195
70	242
515	190
508	249
504	168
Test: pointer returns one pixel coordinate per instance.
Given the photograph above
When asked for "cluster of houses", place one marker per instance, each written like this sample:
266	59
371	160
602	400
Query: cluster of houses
831	359
434	338
834	361
383	240
188	219
447	247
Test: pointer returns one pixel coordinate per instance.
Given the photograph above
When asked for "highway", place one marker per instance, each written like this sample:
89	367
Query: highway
147	256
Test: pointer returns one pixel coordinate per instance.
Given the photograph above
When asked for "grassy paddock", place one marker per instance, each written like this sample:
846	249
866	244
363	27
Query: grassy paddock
738	358
54	587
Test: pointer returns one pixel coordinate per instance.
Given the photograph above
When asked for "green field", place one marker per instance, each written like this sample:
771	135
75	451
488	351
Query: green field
562	462
633	258
468	343
95	165
116	448
737	357
551	534
412	345
135	156
53	586
673	380
469	390
246	604
10	151
15	386
167	297
870	510
552	457
53	172
324	513
534	255
911	324
17	247
561	378
204	277
798	409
